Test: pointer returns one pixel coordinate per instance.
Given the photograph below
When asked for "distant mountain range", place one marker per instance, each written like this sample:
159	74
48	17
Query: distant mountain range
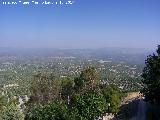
116	54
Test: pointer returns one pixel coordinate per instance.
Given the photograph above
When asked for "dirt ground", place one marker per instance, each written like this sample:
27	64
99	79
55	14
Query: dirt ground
131	96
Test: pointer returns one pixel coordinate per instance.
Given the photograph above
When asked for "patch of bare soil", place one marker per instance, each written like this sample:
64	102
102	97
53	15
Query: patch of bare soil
131	96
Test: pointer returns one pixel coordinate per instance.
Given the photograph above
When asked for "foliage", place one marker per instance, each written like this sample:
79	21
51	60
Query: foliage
79	83
12	112
90	105
45	88
50	111
84	102
67	85
3	102
113	98
151	78
88	79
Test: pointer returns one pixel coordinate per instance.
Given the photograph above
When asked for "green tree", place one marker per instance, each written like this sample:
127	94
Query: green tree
67	85
88	101
45	88
56	110
90	105
12	112
113	97
88	79
151	78
3	102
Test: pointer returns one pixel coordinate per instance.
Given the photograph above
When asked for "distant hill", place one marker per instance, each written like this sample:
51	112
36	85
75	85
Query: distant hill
115	54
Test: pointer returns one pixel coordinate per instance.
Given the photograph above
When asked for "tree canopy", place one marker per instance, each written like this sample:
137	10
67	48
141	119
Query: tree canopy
82	98
151	77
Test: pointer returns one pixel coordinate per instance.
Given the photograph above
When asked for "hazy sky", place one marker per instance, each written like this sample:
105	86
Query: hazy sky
85	24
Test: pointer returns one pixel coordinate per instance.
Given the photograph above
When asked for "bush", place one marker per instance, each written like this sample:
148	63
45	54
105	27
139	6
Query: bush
12	112
113	98
90	105
50	111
